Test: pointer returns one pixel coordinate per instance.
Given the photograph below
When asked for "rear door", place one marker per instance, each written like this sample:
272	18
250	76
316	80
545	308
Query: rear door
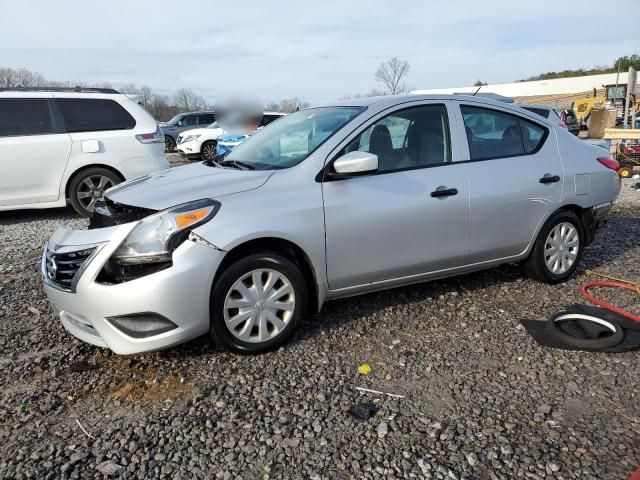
515	179
409	218
34	150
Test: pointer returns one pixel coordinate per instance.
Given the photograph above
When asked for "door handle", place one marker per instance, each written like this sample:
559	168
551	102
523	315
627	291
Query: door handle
444	192
548	178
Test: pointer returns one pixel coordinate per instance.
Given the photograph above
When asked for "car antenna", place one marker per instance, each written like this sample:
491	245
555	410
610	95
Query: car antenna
474	93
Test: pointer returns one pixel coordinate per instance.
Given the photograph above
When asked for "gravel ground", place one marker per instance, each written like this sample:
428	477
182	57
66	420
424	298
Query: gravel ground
481	399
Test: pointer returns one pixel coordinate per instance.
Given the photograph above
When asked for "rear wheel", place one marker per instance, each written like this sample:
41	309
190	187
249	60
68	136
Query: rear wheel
257	303
208	150
169	143
558	249
89	186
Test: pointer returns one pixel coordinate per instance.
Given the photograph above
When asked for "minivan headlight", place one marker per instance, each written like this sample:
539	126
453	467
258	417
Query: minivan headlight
157	236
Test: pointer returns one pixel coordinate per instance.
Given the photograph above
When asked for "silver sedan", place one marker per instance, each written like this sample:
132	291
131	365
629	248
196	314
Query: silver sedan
328	202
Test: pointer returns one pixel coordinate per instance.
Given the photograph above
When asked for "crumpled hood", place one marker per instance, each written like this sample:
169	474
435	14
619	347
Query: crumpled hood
175	186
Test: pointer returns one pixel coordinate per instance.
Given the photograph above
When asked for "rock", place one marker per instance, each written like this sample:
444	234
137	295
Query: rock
382	430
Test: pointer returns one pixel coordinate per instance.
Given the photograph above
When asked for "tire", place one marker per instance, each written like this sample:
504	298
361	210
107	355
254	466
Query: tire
208	150
536	266
225	290
89	185
169	143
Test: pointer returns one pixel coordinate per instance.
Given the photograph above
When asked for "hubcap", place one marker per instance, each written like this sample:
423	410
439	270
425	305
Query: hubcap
209	152
92	189
561	248
259	305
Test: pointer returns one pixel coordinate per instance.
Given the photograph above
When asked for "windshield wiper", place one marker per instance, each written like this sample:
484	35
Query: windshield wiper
215	161
238	164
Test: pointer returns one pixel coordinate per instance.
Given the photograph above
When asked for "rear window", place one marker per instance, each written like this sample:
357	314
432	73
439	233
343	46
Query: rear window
540	111
92	115
24	116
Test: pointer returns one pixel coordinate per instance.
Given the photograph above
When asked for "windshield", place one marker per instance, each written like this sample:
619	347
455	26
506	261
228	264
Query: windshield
290	140
175	120
213	125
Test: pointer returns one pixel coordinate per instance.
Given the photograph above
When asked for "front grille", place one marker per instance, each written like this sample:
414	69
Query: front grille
61	269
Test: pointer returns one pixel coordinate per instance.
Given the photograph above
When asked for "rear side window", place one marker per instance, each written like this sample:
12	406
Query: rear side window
494	134
267	119
24	116
207	118
532	135
94	115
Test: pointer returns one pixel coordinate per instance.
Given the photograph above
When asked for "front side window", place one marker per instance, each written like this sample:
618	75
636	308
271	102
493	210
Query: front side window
411	138
94	115
189	120
495	134
292	139
24	116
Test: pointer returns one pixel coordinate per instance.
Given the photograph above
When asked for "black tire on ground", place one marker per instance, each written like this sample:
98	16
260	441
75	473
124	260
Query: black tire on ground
535	266
169	143
219	331
89	185
208	150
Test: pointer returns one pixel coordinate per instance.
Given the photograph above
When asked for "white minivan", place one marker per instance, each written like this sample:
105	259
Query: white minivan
70	145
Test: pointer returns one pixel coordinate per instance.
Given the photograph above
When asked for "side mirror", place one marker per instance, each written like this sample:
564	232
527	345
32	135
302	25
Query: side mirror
180	123
355	163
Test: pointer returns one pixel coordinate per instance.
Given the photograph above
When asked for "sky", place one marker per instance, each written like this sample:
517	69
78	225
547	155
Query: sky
317	51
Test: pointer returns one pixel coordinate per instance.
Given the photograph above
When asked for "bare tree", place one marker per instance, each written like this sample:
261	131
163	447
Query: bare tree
480	83
287	105
186	99
390	73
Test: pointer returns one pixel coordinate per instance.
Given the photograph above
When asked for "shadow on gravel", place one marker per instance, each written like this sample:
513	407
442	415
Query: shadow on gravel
23	216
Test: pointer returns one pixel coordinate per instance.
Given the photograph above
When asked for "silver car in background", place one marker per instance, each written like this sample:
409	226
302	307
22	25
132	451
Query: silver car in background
328	202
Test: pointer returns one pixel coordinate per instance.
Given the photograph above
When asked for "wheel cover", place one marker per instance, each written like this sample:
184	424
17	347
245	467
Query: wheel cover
91	189
259	305
561	248
209	151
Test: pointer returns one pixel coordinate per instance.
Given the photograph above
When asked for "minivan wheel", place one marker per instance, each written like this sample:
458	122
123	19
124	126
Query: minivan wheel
208	151
169	143
558	249
89	186
257	303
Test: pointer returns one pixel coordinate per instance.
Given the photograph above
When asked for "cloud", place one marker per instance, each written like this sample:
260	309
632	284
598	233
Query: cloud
314	50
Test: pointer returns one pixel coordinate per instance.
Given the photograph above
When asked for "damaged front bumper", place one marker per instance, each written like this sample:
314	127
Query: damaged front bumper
158	309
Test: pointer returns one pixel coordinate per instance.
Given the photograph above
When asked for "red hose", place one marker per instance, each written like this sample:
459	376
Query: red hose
600	283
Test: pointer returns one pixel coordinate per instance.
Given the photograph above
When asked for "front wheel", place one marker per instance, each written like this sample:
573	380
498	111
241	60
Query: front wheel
558	249
257	303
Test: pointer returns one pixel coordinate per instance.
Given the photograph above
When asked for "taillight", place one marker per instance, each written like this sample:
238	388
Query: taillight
155	137
563	120
609	163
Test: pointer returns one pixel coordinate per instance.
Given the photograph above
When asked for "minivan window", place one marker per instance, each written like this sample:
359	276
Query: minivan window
24	116
189	120
409	138
292	139
207	118
175	120
94	115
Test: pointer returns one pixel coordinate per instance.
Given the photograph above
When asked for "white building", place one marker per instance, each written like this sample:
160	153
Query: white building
540	88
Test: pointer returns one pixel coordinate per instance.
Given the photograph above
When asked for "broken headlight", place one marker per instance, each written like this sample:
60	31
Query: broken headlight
157	236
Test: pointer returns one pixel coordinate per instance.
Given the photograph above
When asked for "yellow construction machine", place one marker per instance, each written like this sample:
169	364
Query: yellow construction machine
615	97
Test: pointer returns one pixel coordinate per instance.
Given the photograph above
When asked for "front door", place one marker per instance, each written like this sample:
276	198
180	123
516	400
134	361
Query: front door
409	218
